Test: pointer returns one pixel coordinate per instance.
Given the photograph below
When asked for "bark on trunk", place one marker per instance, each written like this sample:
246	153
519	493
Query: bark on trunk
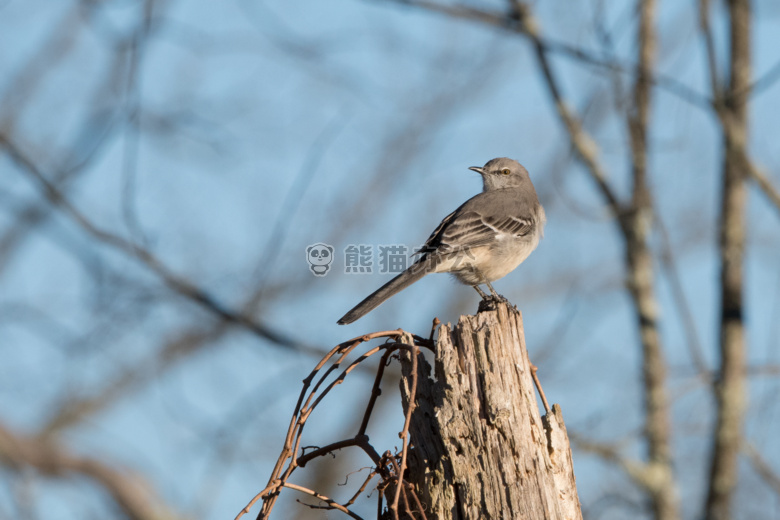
480	448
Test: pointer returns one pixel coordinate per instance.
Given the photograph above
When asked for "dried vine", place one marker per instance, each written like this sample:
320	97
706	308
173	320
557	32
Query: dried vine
397	495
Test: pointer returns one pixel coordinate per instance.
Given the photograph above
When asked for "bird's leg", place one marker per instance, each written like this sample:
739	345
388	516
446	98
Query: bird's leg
481	292
497	296
488	303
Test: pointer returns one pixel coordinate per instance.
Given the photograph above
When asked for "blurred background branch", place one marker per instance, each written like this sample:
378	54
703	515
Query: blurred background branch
164	166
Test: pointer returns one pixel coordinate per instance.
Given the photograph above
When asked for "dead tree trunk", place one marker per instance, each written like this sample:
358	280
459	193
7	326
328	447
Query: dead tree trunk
480	449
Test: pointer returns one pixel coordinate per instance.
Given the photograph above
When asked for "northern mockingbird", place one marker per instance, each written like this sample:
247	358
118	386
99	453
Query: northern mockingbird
483	240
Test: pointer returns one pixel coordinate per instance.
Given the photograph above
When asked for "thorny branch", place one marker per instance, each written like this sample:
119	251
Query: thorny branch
389	467
405	437
331	504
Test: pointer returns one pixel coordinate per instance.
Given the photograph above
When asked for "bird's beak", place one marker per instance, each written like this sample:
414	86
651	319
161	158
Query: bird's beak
477	169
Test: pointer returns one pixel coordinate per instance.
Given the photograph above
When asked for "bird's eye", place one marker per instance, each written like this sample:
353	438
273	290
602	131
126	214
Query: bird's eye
505	171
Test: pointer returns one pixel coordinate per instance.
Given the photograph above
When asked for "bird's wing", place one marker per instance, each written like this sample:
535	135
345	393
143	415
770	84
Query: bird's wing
432	243
481	220
472	229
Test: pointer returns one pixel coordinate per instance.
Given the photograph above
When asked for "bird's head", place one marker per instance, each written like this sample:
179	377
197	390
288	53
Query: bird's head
502	173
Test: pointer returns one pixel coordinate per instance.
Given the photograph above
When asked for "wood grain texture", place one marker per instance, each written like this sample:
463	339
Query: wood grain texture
480	448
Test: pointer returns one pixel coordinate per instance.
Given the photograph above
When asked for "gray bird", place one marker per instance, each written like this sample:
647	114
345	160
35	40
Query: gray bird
483	240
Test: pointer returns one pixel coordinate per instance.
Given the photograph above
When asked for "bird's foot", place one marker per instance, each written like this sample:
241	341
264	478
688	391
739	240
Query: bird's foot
489	303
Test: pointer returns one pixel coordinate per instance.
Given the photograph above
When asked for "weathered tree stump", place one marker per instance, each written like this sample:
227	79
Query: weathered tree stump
480	448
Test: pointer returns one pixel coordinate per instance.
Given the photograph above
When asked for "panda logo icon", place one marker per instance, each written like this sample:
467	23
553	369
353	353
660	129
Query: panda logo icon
319	256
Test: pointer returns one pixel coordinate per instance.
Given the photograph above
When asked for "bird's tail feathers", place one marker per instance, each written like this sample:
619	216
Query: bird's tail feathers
394	286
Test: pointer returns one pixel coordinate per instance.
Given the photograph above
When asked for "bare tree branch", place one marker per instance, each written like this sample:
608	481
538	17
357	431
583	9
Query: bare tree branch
765	81
669	262
583	143
639	259
650	477
770	191
737	94
23	85
762	467
709	46
93	134
133	496
332	504
730	389
133	107
78	409
509	21
178	284
635	221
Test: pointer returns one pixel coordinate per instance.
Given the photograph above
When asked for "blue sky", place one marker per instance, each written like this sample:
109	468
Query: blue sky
370	114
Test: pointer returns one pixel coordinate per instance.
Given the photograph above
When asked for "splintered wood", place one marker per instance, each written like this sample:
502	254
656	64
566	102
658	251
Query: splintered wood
480	448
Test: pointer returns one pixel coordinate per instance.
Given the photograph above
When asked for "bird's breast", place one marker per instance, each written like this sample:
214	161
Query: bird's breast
491	262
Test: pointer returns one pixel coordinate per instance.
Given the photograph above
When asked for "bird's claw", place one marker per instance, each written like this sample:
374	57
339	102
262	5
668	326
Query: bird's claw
490	303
